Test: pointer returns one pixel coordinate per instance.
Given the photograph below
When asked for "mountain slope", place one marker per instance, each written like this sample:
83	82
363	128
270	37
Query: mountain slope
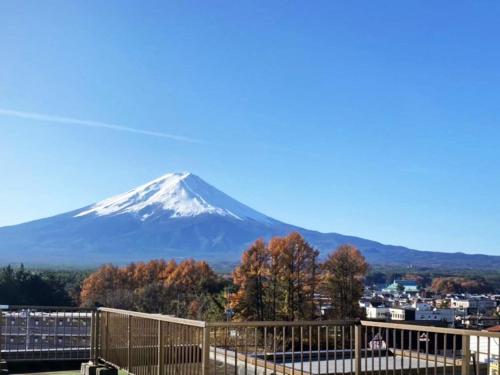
180	215
174	195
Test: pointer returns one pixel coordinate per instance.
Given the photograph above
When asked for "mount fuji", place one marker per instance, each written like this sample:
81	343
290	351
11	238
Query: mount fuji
177	216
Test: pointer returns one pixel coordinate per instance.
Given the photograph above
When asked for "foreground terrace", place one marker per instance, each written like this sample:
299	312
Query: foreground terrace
154	344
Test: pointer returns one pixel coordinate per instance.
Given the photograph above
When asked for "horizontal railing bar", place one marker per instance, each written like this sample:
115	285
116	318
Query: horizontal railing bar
25	307
252	324
433	329
164	318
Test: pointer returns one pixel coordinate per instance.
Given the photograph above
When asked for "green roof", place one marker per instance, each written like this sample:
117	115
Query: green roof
409	286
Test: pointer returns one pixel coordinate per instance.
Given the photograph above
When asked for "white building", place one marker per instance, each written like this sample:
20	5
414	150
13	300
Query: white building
377	313
475	304
399	313
422	313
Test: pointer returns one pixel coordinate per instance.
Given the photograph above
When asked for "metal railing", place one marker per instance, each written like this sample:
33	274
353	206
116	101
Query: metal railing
281	347
35	333
157	344
427	350
151	343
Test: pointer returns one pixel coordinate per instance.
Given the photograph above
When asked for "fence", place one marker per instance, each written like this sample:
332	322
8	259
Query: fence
151	343
156	344
46	333
280	347
426	349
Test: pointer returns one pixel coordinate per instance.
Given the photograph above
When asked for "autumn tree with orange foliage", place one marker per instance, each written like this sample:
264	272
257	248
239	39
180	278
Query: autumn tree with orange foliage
252	279
445	285
109	286
343	281
295	264
160	286
276	281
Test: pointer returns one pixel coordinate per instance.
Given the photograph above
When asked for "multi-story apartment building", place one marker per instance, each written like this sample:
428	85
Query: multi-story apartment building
473	304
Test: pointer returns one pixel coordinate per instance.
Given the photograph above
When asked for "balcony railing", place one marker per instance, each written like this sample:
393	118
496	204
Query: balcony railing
151	343
155	344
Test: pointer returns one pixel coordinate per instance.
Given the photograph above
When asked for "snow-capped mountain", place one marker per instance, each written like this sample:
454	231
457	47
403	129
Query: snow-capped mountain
174	195
176	216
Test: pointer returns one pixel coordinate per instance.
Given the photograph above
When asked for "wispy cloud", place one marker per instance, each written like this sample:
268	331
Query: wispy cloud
93	124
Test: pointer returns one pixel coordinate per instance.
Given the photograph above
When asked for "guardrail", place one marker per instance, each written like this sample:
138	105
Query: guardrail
151	343
281	347
155	344
158	344
35	333
426	349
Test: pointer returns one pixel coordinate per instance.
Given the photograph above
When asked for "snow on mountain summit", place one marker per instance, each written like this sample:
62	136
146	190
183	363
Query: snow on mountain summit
175	195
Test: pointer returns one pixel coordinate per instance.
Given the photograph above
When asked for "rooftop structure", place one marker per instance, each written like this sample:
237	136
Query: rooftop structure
408	286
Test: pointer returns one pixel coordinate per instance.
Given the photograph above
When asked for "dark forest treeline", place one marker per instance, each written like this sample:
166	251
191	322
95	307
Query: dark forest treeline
19	286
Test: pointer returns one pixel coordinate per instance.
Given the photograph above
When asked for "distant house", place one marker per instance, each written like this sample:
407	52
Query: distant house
378	313
422	313
473	304
402	313
410	286
443	315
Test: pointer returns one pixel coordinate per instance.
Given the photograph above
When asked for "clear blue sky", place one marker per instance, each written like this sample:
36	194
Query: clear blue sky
377	119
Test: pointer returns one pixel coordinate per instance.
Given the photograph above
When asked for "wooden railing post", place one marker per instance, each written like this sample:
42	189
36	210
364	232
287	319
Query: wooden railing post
92	335
357	348
129	343
161	367
466	354
106	342
205	354
1	336
97	340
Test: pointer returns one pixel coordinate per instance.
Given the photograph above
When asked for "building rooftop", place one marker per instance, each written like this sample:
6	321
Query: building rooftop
410	286
494	329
